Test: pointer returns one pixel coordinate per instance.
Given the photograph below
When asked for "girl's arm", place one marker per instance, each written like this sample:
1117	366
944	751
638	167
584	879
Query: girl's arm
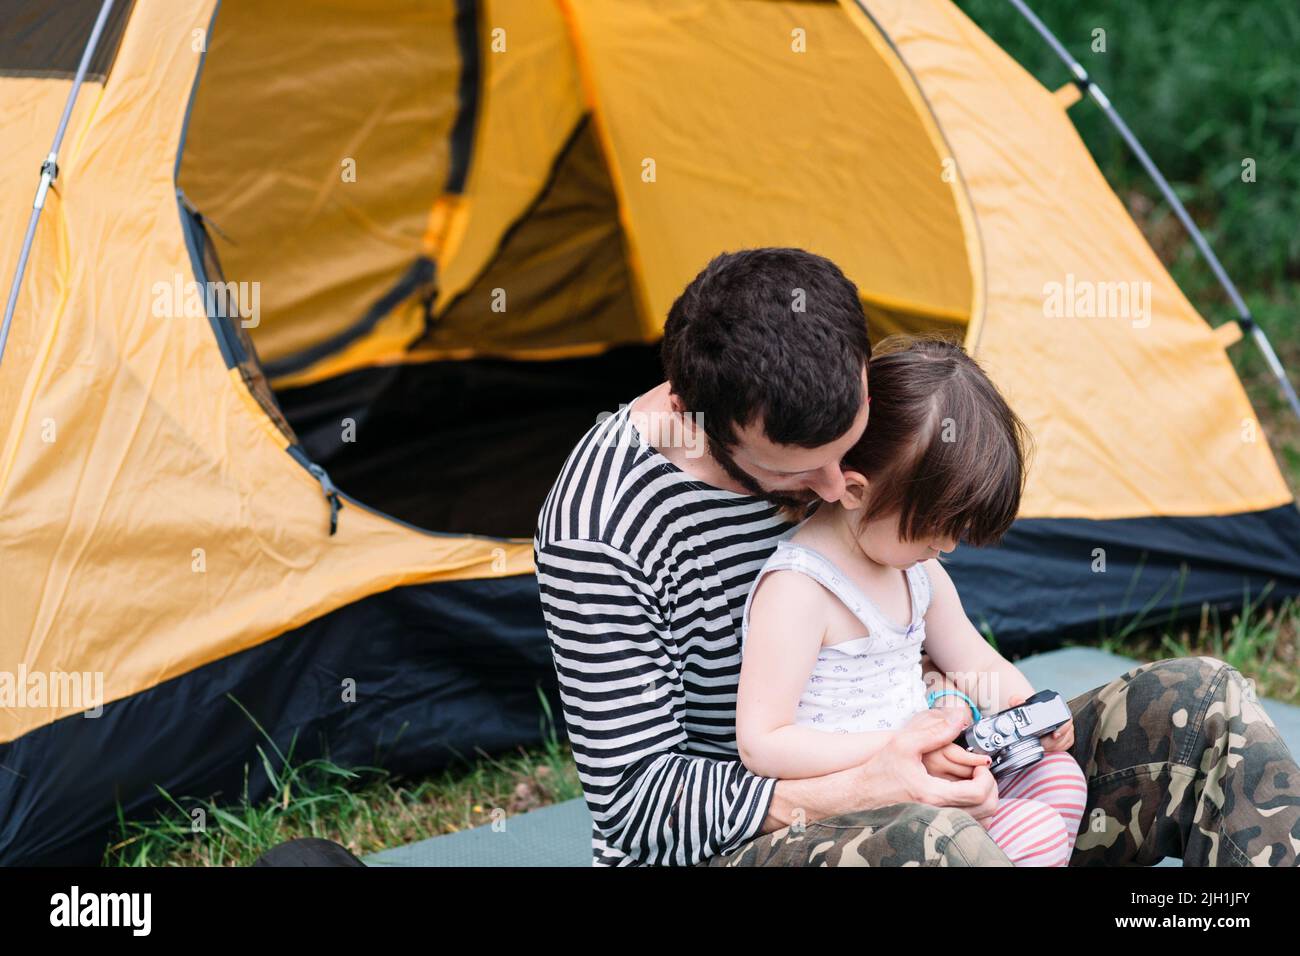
961	653
787	621
934	680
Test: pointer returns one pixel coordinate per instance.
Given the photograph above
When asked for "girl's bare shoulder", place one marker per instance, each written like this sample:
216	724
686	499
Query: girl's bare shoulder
787	585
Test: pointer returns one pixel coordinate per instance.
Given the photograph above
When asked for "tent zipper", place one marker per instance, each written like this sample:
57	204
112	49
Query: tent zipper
331	493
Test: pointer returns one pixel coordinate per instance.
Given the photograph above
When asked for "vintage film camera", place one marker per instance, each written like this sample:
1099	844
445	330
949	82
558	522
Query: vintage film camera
1011	736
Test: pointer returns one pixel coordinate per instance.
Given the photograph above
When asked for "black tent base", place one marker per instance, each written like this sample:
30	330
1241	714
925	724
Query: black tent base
1053	580
441	672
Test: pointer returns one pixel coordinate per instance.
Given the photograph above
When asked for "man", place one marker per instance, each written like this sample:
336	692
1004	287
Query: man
645	554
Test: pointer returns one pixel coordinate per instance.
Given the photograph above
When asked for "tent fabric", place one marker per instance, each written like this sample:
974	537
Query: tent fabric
560	275
528	109
530	103
151	520
349	136
751	118
237	348
171	480
395	312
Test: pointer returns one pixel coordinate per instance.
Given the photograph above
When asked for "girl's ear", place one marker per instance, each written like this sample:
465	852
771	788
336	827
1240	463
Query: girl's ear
857	489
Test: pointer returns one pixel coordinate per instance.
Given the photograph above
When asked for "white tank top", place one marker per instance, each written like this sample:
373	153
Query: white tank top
868	683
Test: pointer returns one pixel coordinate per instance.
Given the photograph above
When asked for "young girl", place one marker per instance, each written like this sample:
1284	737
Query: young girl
839	616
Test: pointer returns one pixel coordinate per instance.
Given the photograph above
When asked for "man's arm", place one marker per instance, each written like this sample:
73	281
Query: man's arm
816	798
894	774
622	696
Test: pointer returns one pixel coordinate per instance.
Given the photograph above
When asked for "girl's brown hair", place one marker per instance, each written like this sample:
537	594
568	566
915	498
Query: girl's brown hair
942	447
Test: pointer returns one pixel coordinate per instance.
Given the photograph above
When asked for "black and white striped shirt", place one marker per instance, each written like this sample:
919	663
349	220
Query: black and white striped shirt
643	572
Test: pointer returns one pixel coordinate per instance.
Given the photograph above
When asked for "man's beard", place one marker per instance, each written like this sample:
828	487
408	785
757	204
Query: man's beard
795	501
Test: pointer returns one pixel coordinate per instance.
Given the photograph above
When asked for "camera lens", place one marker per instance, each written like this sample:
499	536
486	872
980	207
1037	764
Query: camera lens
1018	756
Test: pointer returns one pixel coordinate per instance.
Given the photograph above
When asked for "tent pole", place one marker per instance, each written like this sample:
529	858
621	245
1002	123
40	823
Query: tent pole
50	171
1244	317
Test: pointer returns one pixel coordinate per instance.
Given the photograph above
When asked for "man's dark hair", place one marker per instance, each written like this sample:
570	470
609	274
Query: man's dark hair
773	334
942	448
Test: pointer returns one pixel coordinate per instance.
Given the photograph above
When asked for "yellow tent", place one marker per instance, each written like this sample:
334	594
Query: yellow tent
325	292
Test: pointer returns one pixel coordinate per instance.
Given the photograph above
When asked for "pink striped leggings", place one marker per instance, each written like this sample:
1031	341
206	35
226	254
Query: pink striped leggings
1039	812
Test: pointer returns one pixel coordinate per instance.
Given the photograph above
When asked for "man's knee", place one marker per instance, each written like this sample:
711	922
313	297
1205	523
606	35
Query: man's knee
1169	701
1201	669
1202	683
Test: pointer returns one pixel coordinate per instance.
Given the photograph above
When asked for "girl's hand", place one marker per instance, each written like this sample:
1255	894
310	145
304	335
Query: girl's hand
1058	740
953	762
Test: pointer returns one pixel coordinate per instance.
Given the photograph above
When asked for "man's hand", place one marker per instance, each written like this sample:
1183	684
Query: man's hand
898	773
1058	740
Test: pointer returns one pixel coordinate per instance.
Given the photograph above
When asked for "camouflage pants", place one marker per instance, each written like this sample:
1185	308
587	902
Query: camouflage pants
1181	761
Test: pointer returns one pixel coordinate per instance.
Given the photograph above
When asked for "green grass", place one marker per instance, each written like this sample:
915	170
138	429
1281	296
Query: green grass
364	809
1260	641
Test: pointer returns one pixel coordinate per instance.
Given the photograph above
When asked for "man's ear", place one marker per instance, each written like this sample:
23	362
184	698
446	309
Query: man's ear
857	489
